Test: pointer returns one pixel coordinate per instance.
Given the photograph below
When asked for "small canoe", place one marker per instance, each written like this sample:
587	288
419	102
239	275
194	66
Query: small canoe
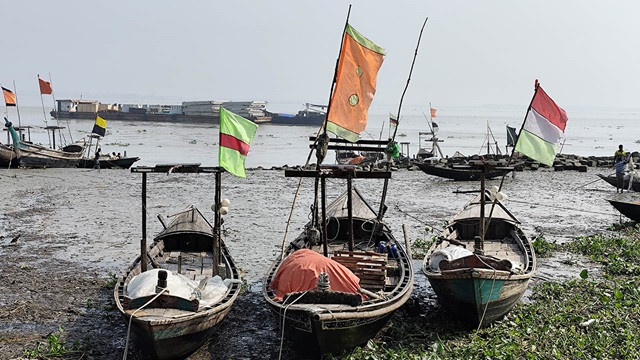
172	326
480	288
629	209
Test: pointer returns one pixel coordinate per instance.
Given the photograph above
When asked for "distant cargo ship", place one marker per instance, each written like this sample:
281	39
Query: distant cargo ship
188	112
312	115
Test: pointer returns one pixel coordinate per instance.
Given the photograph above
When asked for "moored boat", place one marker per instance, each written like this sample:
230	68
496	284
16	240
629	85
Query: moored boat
340	317
174	307
630	209
479	279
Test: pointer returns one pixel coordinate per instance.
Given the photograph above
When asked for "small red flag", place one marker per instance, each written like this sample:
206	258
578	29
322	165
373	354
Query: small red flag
45	87
9	97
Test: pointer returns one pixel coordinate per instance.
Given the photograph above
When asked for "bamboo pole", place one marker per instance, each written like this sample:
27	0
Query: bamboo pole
395	131
44	114
143	242
216	229
15	91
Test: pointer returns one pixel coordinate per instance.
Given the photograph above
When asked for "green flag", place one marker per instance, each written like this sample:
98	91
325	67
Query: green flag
236	135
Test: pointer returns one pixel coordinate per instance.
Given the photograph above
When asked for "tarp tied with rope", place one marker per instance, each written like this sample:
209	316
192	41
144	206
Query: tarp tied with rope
300	271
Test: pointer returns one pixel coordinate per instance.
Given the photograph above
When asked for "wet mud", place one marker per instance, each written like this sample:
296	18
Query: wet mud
63	231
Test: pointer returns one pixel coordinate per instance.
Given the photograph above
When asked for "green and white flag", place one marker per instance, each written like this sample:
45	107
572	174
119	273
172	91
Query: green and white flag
236	135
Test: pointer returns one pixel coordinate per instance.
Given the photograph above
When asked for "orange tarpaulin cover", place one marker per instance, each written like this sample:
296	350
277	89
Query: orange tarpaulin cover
300	271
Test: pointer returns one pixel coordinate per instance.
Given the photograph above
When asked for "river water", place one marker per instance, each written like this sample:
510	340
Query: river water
462	129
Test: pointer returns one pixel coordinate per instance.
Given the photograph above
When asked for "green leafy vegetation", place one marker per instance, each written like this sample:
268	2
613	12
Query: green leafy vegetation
112	280
542	247
589	317
54	348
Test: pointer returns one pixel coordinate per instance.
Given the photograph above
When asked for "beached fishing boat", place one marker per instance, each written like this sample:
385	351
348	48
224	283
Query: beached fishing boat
630	209
459	174
479	279
177	290
611	179
368	273
107	161
31	155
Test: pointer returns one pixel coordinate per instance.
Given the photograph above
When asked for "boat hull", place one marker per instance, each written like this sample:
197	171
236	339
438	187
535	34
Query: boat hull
630	210
7	157
611	180
476	299
122	163
330	336
458	174
176	340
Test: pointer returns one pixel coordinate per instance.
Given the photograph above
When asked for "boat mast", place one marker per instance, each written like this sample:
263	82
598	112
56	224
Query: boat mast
216	229
395	131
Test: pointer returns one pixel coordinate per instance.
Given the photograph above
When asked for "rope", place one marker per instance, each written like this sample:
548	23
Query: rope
562	208
284	317
484	312
126	344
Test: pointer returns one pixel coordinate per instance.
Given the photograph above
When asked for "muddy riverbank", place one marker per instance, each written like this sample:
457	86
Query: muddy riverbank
63	231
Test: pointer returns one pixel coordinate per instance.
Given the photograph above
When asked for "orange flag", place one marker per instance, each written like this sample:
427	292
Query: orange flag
433	112
9	97
45	87
360	60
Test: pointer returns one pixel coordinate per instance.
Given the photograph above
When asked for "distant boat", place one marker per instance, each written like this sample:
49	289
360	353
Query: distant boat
31	155
480	287
630	209
449	172
107	161
312	115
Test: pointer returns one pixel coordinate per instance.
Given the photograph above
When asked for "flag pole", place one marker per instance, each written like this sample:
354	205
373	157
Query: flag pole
44	114
15	91
493	205
335	72
395	131
53	97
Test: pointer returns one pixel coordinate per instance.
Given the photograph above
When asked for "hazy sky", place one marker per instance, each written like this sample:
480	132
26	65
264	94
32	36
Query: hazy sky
473	53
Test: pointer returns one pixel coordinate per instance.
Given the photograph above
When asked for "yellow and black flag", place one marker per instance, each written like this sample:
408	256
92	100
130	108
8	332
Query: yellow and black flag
100	127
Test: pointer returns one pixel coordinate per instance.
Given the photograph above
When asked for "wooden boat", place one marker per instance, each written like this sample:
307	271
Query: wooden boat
172	326
31	155
611	179
630	209
480	280
109	162
458	174
328	322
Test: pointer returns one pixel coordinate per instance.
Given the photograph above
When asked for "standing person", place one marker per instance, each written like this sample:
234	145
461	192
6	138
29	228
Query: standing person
620	152
620	165
96	159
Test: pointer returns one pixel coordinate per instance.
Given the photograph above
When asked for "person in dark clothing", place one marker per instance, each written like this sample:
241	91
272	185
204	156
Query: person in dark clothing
96	159
620	163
